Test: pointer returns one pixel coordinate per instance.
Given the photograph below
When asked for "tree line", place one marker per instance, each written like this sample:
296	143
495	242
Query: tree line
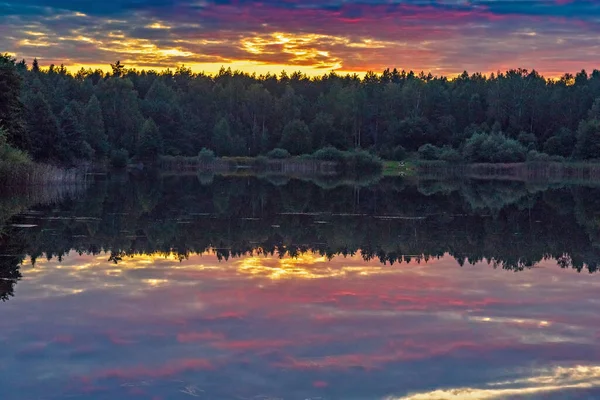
64	118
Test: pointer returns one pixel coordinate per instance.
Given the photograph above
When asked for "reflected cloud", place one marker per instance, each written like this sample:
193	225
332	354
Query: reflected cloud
307	323
555	380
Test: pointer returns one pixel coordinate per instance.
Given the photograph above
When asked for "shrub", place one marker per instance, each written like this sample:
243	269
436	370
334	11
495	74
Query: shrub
329	153
397	153
429	152
9	154
536	156
362	161
119	158
449	154
588	140
206	156
494	148
279	154
528	140
561	144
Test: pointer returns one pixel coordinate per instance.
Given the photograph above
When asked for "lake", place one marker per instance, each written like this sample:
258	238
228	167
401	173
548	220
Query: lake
211	287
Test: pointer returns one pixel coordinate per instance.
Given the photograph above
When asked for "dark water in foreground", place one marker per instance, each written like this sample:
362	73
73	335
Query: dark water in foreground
240	288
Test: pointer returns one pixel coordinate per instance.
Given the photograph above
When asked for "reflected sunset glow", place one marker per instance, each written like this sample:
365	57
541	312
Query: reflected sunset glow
302	320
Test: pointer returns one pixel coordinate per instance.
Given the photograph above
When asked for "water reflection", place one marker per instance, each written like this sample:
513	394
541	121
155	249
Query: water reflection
156	327
245	289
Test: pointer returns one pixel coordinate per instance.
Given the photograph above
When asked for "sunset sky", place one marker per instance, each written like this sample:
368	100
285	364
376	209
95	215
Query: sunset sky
312	36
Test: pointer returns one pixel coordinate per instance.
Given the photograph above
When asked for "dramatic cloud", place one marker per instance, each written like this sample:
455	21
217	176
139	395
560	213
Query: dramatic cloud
444	37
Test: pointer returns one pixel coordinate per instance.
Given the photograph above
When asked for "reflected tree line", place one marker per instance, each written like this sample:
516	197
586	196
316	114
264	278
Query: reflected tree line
512	224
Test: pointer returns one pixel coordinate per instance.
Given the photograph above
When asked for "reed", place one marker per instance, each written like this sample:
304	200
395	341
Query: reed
30	173
576	172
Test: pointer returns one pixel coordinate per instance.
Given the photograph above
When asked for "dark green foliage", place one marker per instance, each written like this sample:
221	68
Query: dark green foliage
235	114
562	144
429	152
206	156
296	138
279	154
42	128
72	145
535	156
397	153
449	154
494	148
595	110
94	125
361	161
11	118
221	138
161	105
588	140
528	140
323	130
446	153
119	158
329	153
8	154
150	142
121	112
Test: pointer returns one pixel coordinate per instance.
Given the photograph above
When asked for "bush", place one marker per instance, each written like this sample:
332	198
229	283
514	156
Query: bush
119	158
362	161
536	156
329	153
429	152
397	153
206	156
528	140
279	154
588	140
561	144
449	154
493	148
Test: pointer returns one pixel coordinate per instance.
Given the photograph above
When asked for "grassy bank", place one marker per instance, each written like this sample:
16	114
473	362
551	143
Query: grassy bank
399	168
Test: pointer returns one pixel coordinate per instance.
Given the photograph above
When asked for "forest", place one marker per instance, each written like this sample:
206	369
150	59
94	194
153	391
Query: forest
63	119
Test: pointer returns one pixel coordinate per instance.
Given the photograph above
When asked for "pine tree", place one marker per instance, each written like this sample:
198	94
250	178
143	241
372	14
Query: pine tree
94	125
122	116
150	143
72	146
221	138
42	127
11	118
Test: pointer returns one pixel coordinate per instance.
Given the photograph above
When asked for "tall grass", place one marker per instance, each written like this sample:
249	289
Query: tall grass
580	172
18	174
17	168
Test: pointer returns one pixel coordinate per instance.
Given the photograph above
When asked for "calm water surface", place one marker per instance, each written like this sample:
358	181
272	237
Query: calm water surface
180	288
